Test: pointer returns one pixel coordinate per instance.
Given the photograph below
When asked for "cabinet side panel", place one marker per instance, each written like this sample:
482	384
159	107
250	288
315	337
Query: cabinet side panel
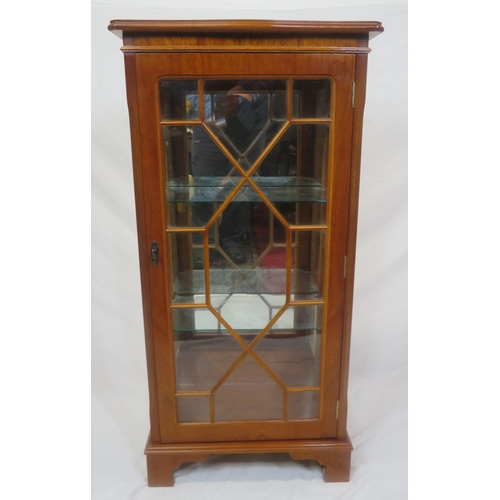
359	103
133	106
338	217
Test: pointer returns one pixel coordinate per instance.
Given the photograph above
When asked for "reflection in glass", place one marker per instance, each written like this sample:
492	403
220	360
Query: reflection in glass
245	115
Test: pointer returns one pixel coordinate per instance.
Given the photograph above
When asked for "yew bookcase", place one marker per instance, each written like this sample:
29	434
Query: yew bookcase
246	145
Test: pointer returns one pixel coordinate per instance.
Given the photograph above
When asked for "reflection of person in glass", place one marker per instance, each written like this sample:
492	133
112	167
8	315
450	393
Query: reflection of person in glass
237	117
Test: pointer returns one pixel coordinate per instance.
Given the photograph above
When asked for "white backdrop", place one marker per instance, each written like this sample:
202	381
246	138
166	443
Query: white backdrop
377	420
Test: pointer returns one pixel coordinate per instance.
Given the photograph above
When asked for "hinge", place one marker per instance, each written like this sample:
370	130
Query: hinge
337	411
353	94
345	266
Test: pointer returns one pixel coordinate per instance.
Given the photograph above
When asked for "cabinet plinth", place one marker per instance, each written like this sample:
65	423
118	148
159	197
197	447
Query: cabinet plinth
246	144
334	455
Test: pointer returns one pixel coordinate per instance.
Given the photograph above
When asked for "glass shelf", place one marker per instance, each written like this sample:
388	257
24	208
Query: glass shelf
221	332
217	189
243	281
200	321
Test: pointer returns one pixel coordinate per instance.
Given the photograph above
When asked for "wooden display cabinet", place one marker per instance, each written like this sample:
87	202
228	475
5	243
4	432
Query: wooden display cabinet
246	142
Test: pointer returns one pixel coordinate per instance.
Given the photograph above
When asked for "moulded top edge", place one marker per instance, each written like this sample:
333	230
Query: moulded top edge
246	26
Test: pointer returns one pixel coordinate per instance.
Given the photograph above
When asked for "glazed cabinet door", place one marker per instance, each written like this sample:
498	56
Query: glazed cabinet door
242	165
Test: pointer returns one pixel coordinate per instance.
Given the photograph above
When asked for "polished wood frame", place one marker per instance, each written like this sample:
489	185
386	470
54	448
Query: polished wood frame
270	49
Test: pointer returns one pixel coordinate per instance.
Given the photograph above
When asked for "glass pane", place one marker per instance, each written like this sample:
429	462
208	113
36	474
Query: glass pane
245	115
263	274
296	178
292	348
204	350
248	314
248	265
176	99
309	259
186	268
303	405
193	408
192	197
249	393
313	98
246	232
